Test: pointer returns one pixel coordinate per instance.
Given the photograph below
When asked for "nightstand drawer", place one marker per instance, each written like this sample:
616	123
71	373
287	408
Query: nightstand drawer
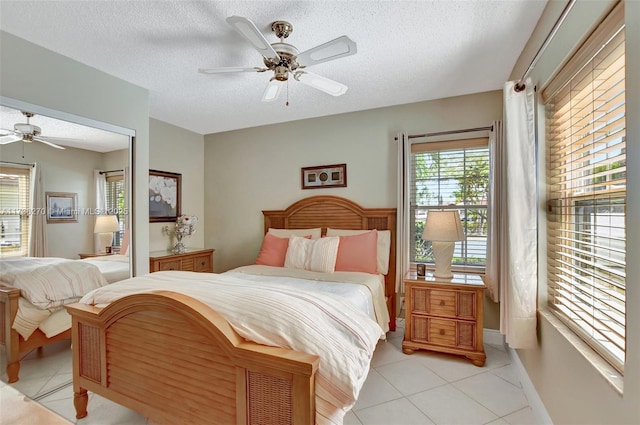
442	332
433	301
442	303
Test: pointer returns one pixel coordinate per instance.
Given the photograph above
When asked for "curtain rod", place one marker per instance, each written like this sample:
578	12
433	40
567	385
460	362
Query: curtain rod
520	84
111	171
31	164
443	133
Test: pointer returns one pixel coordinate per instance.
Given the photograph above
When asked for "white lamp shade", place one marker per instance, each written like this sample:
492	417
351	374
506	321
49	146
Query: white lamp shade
106	224
443	226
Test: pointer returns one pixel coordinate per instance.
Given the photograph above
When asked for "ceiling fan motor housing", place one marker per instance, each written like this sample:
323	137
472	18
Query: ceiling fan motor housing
27	129
287	62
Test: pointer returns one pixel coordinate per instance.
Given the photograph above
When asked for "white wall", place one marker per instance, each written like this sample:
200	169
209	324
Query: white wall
255	169
568	384
176	150
73	88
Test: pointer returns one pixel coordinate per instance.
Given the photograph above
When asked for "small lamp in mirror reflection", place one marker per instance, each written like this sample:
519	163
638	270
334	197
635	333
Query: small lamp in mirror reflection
104	227
443	229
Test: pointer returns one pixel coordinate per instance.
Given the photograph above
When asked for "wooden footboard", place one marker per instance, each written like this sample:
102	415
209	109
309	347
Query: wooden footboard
175	360
14	344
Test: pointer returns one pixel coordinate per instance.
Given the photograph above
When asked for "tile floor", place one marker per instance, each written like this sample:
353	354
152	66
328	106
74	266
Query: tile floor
423	388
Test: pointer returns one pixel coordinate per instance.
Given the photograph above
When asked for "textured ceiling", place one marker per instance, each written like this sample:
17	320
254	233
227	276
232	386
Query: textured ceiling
408	51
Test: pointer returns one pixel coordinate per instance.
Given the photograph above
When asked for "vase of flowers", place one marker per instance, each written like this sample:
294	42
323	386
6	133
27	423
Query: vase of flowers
185	226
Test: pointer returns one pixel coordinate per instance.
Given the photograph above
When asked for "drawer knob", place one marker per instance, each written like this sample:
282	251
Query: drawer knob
441	302
441	331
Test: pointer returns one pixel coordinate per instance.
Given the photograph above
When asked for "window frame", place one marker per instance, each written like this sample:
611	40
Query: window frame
461	145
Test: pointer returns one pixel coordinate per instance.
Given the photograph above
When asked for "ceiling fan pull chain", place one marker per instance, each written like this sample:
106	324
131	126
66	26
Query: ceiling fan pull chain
287	104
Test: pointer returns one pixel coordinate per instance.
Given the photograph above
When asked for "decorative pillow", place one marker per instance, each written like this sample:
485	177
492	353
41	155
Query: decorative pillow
318	255
285	233
358	253
273	251
384	245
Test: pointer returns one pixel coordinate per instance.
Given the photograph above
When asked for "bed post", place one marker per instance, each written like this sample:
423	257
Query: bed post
8	336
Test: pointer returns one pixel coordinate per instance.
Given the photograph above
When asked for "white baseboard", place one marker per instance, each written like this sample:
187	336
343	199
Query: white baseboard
492	337
535	402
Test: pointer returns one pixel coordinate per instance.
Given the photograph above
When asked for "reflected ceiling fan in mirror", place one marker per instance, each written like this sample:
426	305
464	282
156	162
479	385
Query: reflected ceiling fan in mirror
284	59
27	132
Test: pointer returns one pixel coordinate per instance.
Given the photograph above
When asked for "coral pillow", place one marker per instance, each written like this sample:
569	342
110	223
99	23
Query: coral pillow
273	251
358	253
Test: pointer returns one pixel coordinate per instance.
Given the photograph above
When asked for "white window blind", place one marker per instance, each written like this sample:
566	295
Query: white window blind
115	194
451	175
586	171
14	210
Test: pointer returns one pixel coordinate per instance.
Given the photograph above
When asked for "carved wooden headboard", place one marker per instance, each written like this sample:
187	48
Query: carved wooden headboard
340	213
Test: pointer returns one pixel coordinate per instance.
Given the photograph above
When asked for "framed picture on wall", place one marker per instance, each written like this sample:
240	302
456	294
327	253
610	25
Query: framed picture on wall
62	207
324	176
164	196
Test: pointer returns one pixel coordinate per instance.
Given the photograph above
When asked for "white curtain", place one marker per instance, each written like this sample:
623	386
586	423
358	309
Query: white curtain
38	225
518	291
403	224
100	185
497	231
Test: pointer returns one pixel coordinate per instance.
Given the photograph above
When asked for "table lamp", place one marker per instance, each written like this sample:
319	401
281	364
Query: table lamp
104	227
443	228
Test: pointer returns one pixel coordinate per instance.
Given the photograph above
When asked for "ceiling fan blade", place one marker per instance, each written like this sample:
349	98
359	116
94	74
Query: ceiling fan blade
59	139
334	49
10	138
253	35
229	70
53	145
272	91
326	85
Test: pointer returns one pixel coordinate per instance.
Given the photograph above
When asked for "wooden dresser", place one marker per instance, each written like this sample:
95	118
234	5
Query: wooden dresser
445	315
194	260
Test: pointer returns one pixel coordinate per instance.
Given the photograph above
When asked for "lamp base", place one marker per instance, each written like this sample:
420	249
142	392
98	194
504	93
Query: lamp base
105	241
442	255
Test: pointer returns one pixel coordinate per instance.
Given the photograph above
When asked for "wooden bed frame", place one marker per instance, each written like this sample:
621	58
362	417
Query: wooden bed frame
13	342
175	360
340	213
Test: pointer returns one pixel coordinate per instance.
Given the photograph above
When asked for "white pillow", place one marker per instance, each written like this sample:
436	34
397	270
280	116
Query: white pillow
315	233
384	245
317	255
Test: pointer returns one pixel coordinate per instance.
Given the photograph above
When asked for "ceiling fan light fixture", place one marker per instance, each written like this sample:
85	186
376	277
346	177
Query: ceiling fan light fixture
321	83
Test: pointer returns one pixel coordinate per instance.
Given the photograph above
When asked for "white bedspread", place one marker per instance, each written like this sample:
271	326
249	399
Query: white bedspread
283	315
365	290
113	267
46	284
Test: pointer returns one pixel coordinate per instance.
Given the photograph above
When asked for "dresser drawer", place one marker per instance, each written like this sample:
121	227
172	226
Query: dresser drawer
170	265
192	261
203	263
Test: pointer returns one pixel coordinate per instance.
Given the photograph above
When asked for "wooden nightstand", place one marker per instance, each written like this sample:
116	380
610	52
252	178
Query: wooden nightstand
445	315
194	260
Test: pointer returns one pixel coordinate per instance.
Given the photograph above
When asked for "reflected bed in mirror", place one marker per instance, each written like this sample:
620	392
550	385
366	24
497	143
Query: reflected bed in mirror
74	156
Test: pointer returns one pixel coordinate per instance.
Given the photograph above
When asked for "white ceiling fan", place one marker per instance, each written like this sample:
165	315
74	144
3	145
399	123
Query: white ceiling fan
284	59
27	132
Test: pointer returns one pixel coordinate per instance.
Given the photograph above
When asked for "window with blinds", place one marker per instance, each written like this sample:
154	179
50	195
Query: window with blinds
115	202
14	211
451	175
586	174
